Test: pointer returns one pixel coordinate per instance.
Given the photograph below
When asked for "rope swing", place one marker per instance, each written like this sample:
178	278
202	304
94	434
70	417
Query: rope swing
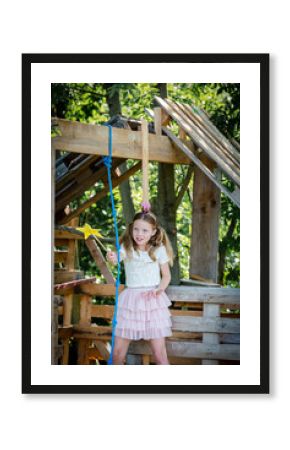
108	163
107	160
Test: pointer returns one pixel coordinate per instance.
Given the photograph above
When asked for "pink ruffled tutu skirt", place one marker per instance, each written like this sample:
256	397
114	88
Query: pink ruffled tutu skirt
143	315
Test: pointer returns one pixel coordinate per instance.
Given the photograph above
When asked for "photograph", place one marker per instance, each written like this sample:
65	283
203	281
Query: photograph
146	249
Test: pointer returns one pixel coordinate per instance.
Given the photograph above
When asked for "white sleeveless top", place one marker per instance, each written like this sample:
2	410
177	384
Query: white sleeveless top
140	270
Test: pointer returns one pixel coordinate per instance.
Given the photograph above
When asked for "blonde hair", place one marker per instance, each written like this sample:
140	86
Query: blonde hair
158	239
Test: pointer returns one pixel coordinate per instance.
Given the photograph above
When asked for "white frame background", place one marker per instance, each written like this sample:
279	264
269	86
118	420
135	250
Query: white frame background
51	378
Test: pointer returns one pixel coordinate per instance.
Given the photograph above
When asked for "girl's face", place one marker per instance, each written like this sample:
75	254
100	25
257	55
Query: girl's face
142	232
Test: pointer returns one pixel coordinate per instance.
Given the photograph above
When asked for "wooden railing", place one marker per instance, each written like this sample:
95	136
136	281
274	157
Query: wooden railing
206	332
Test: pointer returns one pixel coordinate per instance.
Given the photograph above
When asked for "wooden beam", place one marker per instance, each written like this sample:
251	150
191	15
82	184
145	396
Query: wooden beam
62	276
188	349
93	139
99	260
206	128
108	290
94	199
204	295
211	312
207	147
201	166
206	324
180	143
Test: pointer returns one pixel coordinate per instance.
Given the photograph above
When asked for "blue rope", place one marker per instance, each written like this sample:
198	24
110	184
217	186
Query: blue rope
108	163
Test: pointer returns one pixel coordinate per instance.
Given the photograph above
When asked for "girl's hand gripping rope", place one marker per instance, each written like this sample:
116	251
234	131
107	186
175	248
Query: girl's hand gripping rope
112	257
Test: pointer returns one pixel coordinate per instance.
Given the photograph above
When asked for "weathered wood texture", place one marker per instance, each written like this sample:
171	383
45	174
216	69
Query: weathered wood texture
99	260
197	335
191	349
55	348
205	225
203	138
116	181
211	312
93	139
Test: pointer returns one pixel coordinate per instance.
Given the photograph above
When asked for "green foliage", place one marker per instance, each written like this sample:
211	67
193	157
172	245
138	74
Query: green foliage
221	101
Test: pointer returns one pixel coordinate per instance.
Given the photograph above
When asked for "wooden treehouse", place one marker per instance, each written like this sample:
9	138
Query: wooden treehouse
205	316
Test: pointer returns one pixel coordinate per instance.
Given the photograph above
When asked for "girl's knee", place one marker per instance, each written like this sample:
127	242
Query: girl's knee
160	355
119	352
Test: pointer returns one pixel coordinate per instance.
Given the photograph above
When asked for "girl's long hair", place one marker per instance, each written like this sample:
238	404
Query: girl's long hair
158	239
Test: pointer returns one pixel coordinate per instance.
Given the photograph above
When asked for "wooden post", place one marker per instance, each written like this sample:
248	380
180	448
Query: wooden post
145	164
100	260
67	314
210	311
55	302
158	121
205	225
85	319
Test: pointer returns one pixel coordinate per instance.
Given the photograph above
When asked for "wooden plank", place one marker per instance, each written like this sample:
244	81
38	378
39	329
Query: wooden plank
200	165
99	260
204	295
65	235
196	325
67	309
95	198
100	290
188	349
79	137
56	301
103	311
85	310
217	132
158	121
69	286
80	185
93	329
200	141
211	312
62	276
205	324
180	143
204	133
76	170
222	143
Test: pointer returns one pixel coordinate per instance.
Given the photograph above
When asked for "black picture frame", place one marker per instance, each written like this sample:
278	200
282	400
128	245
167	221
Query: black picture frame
263	61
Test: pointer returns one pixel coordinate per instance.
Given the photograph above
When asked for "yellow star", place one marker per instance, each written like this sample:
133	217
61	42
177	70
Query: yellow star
88	231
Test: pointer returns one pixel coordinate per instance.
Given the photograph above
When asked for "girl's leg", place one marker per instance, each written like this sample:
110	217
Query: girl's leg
120	350
159	350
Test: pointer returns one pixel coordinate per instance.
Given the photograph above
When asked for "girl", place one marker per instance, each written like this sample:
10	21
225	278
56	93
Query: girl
143	306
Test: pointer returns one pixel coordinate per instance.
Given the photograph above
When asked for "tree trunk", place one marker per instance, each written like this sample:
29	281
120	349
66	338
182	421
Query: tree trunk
223	249
205	225
165	212
165	203
113	101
